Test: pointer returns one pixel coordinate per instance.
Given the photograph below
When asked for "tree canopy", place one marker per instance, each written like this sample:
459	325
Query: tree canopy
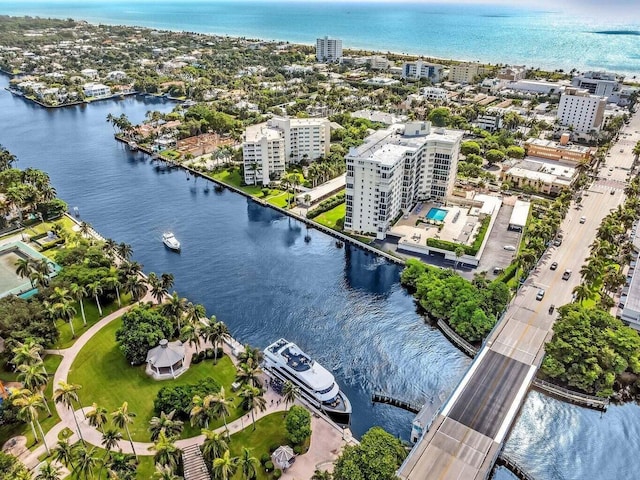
142	329
298	424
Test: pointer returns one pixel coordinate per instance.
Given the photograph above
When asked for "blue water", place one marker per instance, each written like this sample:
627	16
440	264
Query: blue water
437	214
570	35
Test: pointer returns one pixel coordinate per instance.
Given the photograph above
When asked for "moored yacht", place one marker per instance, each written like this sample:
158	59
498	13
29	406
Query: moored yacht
287	362
170	241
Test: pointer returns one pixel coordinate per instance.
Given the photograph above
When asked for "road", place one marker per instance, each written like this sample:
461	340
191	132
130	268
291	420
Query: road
467	435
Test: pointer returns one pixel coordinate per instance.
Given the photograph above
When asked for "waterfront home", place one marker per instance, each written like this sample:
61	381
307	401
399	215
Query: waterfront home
96	90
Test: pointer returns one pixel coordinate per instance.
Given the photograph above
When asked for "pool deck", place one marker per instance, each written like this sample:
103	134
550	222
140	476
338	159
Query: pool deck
24	287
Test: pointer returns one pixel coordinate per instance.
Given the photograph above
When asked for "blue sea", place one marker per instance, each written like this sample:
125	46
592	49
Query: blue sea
536	37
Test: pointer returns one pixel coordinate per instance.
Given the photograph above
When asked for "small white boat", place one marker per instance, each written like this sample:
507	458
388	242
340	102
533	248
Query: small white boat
170	241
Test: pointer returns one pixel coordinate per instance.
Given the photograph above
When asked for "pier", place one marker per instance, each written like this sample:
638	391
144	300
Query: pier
378	397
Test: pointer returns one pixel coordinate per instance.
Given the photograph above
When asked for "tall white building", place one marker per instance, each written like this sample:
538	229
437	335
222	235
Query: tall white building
419	69
263	154
581	110
328	49
393	169
269	147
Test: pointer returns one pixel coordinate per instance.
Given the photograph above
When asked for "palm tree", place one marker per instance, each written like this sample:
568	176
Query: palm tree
24	266
112	281
95	289
64	453
252	398
202	410
290	392
27	352
221	406
135	286
194	312
191	334
248	464
165	423
582	292
85	229
86	461
125	250
164	472
590	272
214	445
248	373
29	404
216	333
167	281
78	292
157	288
110	247
67	394
122	417
97	417
250	355
225	467
34	377
62	305
110	438
166	451
49	471
174	308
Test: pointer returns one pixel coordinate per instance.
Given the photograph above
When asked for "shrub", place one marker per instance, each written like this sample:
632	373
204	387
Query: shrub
179	397
195	358
277	473
297	449
298	424
326	205
273	447
268	467
264	458
209	352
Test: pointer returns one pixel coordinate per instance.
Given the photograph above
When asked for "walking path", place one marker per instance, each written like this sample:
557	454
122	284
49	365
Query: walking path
326	444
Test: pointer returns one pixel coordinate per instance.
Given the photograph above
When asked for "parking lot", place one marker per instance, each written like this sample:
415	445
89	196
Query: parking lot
494	254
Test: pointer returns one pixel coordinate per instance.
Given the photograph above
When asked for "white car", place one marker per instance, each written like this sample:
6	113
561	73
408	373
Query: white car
510	248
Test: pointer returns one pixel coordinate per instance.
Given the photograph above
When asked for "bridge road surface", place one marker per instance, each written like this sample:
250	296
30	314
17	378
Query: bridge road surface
467	435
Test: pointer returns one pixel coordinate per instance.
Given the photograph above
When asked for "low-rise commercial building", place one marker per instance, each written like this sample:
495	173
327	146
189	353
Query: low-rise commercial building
597	83
512	73
539	176
393	169
563	150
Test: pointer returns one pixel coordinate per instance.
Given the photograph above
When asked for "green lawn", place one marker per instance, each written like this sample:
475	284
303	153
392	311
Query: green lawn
270	430
92	315
43	227
51	363
234	179
107	379
279	199
331	217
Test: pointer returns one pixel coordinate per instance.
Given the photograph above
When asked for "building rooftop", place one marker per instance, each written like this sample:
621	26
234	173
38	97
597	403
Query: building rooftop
255	133
551	144
166	354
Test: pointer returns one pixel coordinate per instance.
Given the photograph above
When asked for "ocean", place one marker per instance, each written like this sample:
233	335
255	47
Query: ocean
549	39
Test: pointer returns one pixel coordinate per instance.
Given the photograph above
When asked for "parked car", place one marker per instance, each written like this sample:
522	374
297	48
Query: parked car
540	294
566	275
553	266
497	270
510	248
583	219
551	308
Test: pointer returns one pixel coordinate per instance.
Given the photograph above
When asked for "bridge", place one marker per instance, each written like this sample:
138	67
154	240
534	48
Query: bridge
465	437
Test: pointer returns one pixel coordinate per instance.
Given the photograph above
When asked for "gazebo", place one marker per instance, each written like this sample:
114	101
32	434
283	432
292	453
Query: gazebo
283	457
166	360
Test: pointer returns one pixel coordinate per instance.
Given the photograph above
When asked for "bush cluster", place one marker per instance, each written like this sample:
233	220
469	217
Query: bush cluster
179	397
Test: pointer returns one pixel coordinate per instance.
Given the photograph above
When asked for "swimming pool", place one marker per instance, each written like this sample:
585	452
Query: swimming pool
436	214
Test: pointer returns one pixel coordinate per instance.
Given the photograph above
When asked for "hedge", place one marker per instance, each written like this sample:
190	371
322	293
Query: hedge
326	205
179	398
468	249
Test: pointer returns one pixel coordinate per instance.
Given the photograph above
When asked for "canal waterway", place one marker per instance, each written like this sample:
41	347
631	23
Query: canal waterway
252	267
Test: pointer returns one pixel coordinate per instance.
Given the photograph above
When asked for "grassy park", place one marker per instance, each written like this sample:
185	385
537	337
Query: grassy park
107	379
332	217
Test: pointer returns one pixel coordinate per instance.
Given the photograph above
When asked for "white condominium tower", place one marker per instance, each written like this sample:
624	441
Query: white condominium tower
269	147
328	49
581	110
393	169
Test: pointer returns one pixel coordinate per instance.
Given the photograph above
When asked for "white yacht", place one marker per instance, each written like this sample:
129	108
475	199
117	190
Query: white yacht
286	362
170	241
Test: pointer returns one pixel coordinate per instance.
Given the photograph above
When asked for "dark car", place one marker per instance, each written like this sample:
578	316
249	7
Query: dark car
551	308
566	274
553	266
